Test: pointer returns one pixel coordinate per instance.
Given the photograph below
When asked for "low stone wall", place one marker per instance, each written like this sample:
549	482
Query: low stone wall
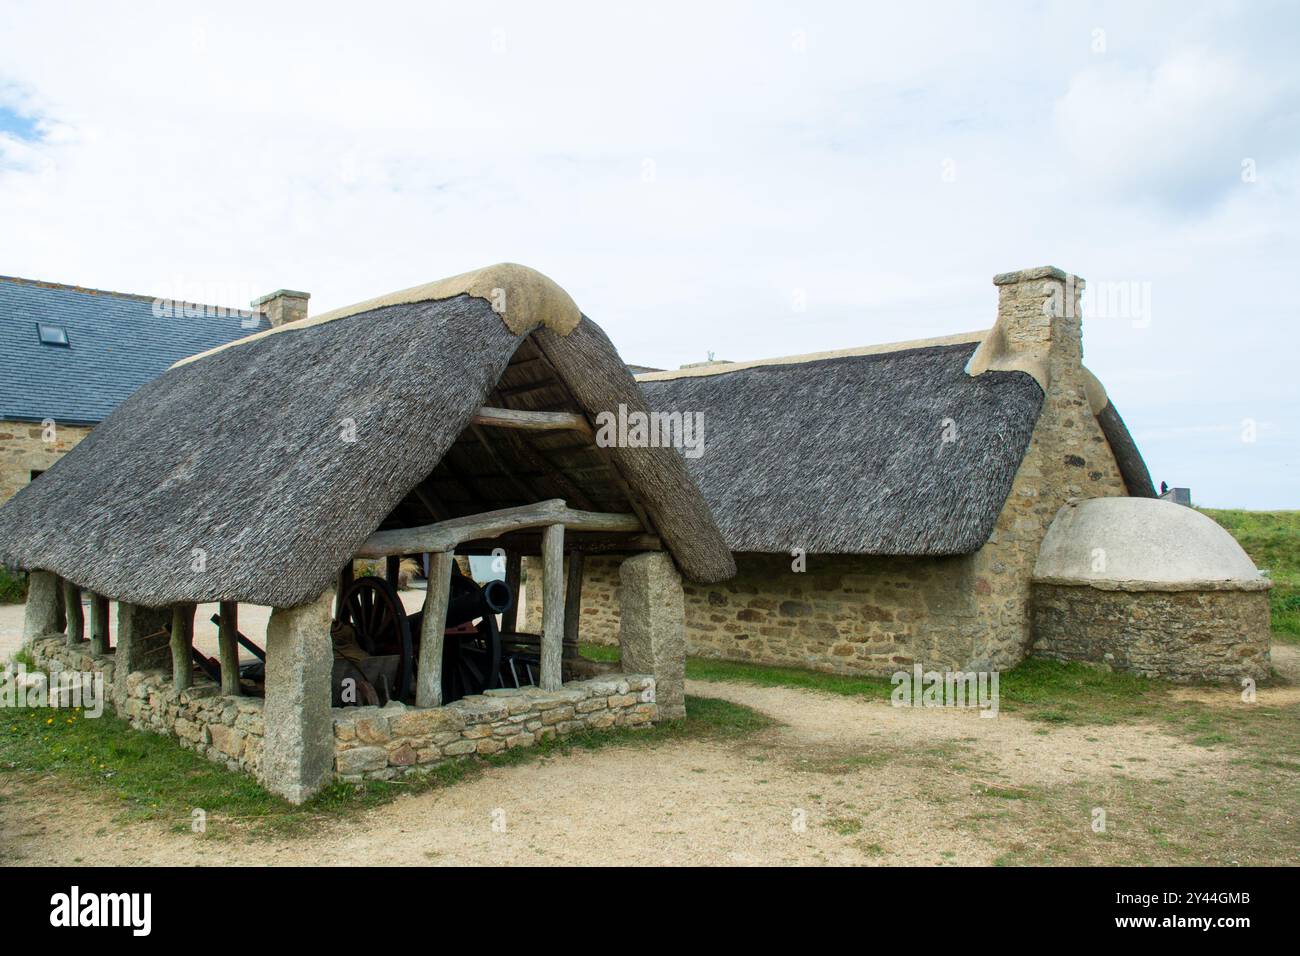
1176	635
370	743
380	743
226	730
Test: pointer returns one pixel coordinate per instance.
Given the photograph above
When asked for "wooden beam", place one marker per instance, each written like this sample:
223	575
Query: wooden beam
552	607
98	624
182	641
532	421
76	619
228	644
428	681
572	604
514	574
446	535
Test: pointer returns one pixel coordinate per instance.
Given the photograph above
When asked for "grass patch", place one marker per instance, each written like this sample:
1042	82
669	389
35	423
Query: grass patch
13	586
875	688
1272	539
152	778
844	826
605	653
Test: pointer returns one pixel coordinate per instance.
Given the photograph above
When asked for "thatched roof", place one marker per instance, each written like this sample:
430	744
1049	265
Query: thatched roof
240	456
844	454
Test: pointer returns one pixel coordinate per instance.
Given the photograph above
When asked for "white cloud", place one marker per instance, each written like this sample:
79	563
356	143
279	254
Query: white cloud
189	149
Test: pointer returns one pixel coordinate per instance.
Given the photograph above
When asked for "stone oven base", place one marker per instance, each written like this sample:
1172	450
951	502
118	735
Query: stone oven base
1176	635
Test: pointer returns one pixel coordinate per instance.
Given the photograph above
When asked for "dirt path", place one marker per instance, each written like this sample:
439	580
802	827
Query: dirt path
872	783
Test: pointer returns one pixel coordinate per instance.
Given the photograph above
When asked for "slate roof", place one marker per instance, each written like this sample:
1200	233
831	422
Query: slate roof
116	344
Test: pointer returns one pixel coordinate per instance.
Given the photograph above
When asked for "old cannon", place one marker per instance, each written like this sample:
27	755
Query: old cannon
371	616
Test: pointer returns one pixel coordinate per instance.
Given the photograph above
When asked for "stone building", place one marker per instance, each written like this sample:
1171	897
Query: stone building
886	504
69	355
453	418
1150	587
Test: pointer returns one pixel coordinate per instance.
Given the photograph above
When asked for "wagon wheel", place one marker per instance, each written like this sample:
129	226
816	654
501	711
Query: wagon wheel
378	617
471	663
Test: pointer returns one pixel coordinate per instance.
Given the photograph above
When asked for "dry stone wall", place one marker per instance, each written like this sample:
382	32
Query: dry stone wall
1176	635
24	449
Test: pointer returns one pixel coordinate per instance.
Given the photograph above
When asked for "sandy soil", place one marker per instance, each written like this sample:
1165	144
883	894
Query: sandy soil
874	784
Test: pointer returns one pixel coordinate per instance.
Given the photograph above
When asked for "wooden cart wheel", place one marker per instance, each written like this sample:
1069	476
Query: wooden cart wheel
471	663
377	615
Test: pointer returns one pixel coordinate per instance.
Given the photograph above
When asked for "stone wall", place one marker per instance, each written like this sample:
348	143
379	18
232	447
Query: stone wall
379	743
1177	635
370	743
226	730
23	449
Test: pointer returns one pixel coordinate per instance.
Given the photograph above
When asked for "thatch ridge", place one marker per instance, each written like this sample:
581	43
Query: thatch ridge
230	478
845	455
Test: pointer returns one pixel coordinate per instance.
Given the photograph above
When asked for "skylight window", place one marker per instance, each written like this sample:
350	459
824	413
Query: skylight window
52	334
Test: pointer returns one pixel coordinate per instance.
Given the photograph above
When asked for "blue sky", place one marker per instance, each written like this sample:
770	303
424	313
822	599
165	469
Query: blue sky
748	179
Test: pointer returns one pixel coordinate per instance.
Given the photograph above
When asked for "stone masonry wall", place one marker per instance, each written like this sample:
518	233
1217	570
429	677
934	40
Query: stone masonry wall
1176	635
380	743
23	449
371	743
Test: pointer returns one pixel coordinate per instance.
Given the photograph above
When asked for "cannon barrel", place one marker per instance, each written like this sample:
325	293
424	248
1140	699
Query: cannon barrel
469	601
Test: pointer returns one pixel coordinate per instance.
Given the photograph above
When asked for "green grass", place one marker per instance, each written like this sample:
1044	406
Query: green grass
13	586
1272	539
150	777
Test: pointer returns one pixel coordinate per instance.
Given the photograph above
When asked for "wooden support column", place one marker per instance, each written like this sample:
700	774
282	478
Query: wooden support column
428	682
182	641
345	581
514	574
552	606
76	619
229	648
393	570
41	615
572	605
98	624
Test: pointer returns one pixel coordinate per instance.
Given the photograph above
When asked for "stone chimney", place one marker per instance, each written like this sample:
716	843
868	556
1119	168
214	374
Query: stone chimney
282	306
1039	328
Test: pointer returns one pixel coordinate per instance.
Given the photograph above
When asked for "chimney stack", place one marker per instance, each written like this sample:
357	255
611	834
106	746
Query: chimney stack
282	306
1039	327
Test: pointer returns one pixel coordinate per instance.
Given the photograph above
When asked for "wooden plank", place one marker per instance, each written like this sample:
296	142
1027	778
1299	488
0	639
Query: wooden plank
228	643
514	574
76	619
446	535
572	604
532	421
428	682
552	607
98	624
182	642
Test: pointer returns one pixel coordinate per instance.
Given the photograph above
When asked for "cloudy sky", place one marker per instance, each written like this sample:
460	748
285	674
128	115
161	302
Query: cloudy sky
744	179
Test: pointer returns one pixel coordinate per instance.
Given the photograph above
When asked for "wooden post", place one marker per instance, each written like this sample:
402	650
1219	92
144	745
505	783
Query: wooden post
98	624
552	606
76	619
345	581
572	605
514	572
392	570
182	641
229	648
428	683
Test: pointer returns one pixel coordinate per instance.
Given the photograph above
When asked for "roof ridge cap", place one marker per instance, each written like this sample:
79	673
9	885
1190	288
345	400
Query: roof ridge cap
721	368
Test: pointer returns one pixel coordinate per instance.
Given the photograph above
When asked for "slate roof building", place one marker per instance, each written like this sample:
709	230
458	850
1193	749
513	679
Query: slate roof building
69	355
